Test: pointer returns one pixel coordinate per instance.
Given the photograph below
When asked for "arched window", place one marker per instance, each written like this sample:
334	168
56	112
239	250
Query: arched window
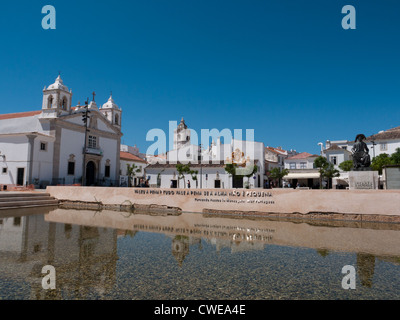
64	103
116	119
49	102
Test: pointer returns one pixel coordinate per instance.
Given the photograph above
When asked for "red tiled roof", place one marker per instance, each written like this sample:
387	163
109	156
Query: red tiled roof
20	115
303	155
275	150
389	134
129	156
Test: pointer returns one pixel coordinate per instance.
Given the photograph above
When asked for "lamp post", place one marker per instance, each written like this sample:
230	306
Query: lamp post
201	170
85	117
373	147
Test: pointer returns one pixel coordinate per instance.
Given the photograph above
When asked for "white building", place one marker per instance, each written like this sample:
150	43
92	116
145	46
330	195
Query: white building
385	141
208	162
48	146
132	157
336	155
302	170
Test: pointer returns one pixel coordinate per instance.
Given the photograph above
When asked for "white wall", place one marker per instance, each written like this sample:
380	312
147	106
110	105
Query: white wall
72	142
15	149
309	163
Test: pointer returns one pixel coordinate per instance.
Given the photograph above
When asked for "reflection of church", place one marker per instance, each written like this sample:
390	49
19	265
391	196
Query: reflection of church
180	247
84	258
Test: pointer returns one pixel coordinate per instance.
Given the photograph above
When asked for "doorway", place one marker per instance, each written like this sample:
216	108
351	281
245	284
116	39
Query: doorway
90	173
237	182
20	176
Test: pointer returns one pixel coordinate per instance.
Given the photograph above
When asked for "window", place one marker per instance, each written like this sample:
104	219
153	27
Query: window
43	146
334	160
292	165
50	102
116	119
92	143
71	168
4	170
383	146
107	171
344	147
303	165
64	103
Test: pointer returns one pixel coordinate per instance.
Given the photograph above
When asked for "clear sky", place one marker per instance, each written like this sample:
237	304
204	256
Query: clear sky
285	68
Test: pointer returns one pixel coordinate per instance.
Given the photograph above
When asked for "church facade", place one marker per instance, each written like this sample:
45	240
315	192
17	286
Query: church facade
56	145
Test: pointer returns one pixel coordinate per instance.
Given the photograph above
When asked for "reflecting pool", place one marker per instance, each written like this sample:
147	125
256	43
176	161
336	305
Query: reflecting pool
119	255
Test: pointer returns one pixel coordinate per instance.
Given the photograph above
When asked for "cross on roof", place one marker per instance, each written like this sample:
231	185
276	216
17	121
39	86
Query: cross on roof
94	94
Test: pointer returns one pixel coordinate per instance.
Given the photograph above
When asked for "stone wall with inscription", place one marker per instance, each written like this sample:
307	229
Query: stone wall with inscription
256	201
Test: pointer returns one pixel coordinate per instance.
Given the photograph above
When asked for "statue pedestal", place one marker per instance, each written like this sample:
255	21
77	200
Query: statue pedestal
363	180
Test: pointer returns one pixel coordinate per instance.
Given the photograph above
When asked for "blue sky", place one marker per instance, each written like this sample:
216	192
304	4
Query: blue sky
285	68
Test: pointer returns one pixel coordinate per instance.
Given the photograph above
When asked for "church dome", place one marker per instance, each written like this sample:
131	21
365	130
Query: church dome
110	104
58	84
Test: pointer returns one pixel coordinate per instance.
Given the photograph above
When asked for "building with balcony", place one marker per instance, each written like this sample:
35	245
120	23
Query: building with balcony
55	145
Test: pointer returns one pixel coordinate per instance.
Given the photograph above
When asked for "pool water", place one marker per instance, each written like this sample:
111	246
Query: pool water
120	256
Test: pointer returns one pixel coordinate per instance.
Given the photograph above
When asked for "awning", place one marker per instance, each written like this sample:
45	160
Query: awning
302	175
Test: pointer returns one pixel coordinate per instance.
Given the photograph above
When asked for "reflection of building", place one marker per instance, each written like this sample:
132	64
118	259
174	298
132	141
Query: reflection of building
84	257
180	247
48	146
365	268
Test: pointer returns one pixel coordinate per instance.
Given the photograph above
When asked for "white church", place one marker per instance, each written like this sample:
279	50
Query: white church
55	145
208	164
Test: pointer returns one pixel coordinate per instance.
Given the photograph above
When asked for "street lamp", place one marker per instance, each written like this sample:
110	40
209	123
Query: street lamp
322	147
373	147
85	117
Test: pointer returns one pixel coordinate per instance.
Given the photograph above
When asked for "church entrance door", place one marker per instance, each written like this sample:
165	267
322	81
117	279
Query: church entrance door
90	173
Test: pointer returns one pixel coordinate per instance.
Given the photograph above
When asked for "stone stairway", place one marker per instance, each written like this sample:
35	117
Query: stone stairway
13	200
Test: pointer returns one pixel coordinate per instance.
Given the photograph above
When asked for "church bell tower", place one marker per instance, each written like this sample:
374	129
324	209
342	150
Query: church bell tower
56	99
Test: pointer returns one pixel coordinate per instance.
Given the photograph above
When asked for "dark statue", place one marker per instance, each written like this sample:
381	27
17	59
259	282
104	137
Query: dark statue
361	158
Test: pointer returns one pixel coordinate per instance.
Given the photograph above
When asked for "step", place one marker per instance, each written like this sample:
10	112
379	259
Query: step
8	199
8	194
27	207
28	203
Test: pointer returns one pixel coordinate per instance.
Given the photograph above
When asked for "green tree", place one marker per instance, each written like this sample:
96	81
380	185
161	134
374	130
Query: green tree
230	168
194	173
379	161
321	163
131	171
278	174
395	157
182	169
185	169
253	171
330	172
346	165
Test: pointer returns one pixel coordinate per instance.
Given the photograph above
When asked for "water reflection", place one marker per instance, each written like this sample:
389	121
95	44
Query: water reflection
83	246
